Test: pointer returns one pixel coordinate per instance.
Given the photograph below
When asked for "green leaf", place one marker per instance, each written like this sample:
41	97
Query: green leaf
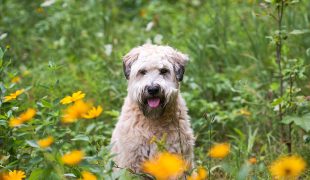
36	174
298	32
288	119
303	121
81	137
244	171
32	143
1	53
277	101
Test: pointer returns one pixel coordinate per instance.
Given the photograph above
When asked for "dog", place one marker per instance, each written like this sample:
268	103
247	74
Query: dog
153	107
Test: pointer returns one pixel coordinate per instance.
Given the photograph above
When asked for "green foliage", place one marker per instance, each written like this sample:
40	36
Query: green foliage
66	46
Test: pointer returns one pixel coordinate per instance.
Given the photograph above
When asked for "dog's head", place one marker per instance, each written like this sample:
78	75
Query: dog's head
153	73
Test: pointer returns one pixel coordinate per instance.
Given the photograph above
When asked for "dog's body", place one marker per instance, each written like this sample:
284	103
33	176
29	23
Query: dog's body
153	108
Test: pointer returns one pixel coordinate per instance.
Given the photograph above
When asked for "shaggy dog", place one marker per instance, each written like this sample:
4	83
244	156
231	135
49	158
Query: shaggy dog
153	107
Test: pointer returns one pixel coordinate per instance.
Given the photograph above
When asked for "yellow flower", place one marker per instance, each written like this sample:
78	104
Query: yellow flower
200	175
287	167
252	160
75	97
165	165
40	10
15	122
28	115
13	95
245	112
46	142
73	157
219	150
14	175
76	111
15	79
93	113
88	176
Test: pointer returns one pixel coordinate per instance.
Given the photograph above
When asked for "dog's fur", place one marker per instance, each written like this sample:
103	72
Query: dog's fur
138	122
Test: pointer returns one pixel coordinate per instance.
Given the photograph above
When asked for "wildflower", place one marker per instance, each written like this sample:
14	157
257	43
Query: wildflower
28	115
142	13
88	176
165	165
76	111
73	157
14	122
39	10
200	175
252	160
15	79
46	142
75	97
93	113
13	95
219	150
245	112
14	175
288	167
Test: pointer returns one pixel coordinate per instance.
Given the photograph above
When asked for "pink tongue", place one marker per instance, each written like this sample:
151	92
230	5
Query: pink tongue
153	102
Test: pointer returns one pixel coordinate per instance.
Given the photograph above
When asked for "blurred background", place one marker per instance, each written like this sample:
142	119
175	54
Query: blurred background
61	46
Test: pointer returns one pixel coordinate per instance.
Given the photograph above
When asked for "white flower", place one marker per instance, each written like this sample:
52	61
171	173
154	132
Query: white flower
48	3
4	35
158	38
149	26
108	49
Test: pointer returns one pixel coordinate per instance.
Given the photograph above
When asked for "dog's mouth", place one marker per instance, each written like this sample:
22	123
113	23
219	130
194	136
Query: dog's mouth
153	102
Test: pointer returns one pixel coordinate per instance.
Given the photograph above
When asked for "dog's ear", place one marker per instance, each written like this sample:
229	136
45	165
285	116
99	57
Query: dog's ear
180	61
128	60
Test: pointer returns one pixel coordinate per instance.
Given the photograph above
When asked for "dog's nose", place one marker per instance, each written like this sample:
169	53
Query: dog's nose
153	90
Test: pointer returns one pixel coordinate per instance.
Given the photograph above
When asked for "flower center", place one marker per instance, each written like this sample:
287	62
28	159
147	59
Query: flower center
287	171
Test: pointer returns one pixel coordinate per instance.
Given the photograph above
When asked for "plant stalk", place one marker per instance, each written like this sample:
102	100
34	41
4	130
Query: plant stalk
280	10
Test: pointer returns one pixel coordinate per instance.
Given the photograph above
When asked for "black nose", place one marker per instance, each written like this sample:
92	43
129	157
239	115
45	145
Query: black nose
153	90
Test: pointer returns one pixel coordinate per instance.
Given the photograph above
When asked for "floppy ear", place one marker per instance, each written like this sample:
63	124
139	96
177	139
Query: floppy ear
180	61
128	60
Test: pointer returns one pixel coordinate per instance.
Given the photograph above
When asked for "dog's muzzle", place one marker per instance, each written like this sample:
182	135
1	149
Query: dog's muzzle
153	100
153	104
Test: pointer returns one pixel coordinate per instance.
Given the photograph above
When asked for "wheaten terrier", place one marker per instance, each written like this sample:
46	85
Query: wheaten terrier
153	107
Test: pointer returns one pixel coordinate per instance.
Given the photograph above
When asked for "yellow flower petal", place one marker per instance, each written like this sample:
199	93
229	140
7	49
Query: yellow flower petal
252	160
287	167
66	100
165	165
14	122
28	115
78	96
15	79
13	95
14	175
76	111
219	150
73	157
200	175
93	113
75	97
46	142
88	176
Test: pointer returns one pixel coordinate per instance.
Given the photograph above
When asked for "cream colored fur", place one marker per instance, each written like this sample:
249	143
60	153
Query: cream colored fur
134	130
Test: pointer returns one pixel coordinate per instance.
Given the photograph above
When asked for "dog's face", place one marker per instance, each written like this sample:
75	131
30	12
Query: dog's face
153	74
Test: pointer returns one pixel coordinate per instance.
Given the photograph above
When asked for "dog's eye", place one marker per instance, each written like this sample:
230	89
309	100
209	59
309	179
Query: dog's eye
163	71
142	71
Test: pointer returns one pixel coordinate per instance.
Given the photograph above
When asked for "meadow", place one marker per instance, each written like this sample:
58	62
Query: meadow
247	85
